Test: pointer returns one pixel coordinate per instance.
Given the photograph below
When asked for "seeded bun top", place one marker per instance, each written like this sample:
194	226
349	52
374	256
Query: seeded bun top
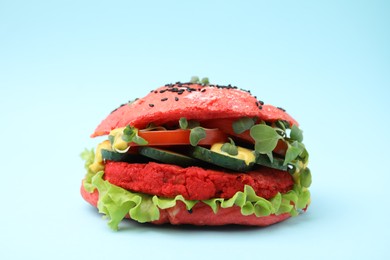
192	101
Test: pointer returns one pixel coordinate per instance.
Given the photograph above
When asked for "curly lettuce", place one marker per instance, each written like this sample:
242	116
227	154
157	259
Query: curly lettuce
116	203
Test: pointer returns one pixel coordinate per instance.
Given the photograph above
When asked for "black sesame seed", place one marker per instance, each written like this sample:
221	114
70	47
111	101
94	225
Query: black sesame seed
151	105
261	102
260	107
163	90
156	91
118	108
176	99
164	99
284	110
203	90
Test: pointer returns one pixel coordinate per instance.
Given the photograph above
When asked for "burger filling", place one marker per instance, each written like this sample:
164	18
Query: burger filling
258	166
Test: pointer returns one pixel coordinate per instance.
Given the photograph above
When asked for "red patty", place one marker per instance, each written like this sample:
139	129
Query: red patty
194	183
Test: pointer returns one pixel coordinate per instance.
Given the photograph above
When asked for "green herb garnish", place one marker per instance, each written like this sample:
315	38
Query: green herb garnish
293	150
184	124
130	134
266	138
296	134
304	156
196	80
230	148
198	133
243	124
282	124
205	81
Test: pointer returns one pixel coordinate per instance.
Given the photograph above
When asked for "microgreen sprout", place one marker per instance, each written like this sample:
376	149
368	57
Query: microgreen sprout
130	134
230	148
198	133
196	80
266	138
183	123
187	124
243	124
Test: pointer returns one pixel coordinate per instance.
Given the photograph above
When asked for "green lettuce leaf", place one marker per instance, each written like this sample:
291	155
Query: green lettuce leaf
166	203
247	200
115	203
88	156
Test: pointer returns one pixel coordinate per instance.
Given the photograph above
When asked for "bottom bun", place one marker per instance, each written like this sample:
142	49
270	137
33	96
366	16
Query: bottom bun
201	214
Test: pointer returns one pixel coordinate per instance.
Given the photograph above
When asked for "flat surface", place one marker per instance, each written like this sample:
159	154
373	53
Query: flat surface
64	65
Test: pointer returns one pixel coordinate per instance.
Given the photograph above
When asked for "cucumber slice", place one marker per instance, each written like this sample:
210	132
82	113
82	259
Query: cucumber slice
262	159
166	156
221	160
123	157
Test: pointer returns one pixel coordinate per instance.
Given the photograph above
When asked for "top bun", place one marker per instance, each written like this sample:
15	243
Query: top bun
192	101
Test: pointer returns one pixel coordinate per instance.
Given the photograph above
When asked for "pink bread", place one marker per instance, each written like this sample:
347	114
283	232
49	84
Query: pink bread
193	101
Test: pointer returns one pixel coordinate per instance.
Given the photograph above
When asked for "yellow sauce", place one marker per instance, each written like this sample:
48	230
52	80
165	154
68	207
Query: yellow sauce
244	154
118	144
97	164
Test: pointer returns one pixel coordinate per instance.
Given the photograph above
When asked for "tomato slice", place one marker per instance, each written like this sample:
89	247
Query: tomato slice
180	137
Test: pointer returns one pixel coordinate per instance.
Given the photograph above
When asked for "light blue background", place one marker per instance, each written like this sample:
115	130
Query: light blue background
64	65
